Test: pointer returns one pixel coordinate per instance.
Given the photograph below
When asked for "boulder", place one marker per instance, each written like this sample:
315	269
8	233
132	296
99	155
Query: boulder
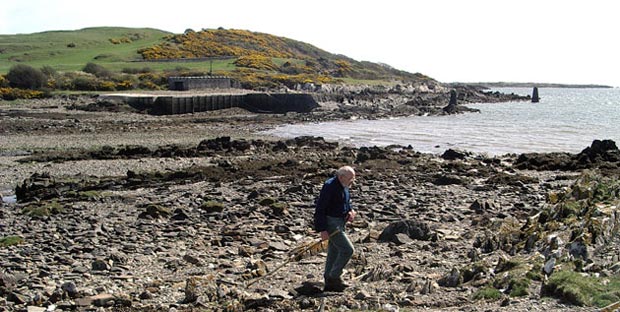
414	229
451	154
452	279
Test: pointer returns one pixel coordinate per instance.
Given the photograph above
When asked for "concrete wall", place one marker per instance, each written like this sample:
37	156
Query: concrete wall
254	102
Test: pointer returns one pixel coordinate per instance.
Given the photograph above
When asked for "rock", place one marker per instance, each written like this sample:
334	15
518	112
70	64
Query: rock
35	309
17	298
203	288
579	250
362	294
390	308
414	229
154	211
309	289
279	209
191	259
473	255
100	265
179	215
549	266
481	206
451	107
7	281
70	289
145	295
453	279
451	154
600	148
402	238
102	300
452	97
306	303
448	180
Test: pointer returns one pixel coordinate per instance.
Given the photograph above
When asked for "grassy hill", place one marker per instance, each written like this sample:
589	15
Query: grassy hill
71	50
254	58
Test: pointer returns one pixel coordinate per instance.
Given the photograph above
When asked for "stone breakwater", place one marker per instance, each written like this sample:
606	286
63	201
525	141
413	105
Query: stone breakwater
432	230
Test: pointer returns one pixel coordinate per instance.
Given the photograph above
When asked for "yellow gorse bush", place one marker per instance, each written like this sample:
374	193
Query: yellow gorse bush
218	42
13	93
256	61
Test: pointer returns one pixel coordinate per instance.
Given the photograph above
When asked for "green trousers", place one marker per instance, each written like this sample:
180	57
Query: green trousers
339	249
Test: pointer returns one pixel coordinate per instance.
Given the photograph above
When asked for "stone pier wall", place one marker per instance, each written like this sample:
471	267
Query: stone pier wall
254	102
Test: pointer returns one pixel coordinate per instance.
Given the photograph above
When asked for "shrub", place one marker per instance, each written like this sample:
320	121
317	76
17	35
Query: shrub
106	86
10	94
582	290
26	77
125	85
49	71
4	83
134	71
84	83
97	70
519	287
256	61
149	85
487	293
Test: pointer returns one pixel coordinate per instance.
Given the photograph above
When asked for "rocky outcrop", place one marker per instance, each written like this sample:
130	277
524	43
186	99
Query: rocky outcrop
602	154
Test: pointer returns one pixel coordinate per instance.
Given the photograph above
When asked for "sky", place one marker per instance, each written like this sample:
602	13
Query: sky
573	42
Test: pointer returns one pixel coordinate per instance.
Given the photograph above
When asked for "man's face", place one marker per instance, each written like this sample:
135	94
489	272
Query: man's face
347	179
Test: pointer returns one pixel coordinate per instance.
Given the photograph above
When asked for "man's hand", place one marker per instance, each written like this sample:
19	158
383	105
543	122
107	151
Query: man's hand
351	216
324	235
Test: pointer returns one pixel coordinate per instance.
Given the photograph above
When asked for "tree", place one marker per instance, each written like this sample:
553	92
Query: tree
23	76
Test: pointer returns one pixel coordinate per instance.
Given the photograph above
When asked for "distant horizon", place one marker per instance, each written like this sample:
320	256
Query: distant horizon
558	42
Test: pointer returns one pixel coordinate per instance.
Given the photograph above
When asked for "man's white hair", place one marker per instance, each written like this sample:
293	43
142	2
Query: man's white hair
345	170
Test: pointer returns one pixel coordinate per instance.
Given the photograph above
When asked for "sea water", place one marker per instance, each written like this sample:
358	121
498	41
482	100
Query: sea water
565	120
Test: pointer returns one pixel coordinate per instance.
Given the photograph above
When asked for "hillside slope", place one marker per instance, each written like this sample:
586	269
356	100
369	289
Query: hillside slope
249	56
265	50
71	50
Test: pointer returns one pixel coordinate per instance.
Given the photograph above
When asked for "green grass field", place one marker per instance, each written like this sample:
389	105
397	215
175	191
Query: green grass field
71	50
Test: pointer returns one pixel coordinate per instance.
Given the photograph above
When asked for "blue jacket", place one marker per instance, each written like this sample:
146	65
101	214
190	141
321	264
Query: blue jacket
334	201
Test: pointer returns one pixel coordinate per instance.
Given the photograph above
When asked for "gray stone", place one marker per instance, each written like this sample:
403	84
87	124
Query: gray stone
103	300
578	250
145	295
402	238
549	266
453	279
100	265
70	289
17	298
362	294
414	229
191	259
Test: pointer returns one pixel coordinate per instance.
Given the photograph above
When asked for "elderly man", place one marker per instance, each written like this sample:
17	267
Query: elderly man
333	211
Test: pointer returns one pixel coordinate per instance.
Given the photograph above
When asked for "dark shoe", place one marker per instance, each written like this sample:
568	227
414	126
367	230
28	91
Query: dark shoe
340	282
334	284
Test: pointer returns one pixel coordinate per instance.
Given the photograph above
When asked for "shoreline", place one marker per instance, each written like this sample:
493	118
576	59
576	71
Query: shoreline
153	225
